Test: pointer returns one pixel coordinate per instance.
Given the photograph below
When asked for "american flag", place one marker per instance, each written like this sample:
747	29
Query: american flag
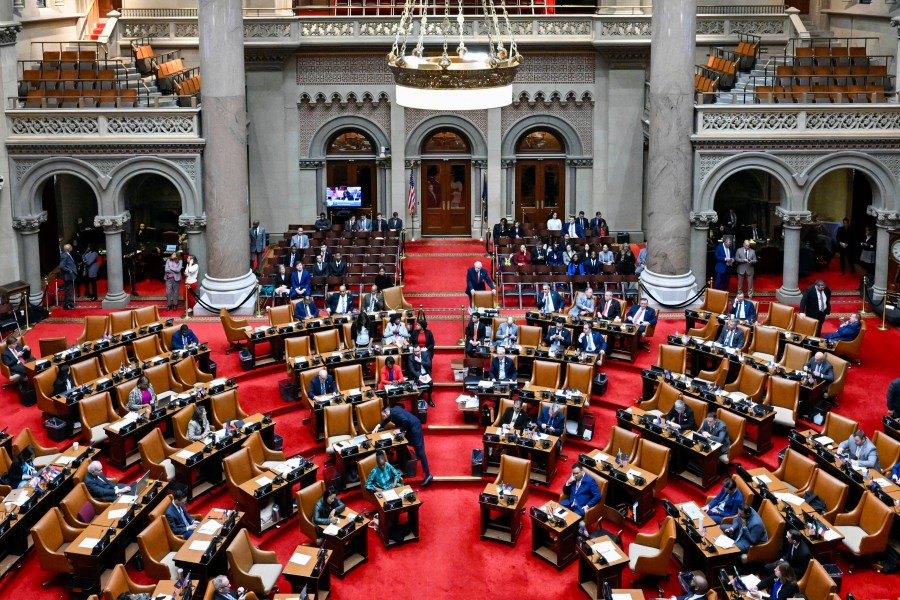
411	201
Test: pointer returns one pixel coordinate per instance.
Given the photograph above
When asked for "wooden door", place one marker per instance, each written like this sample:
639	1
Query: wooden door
540	189
446	197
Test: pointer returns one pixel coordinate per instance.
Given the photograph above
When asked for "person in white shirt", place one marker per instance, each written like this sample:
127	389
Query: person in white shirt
553	223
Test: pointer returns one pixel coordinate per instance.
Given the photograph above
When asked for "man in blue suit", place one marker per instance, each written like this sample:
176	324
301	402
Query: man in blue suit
322	384
642	315
848	330
550	301
301	282
748	529
558	337
742	309
573	229
100	486
591	341
502	367
582	491
478	279
306	309
551	420
724	264
726	503
180	520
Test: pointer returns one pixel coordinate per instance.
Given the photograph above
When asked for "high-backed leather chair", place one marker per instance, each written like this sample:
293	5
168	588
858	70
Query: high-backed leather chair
327	341
239	469
663	399
306	378
156	455
867	527
795	470
51	536
161	378
831	490
165	337
653	457
338	425
769	550
516	472
123	390
529	335
672	358
707	331
159	511
838	428
649	554
714	301
251	568
482	299
73	506
699	407
114	358
579	377
748	337
749	381
237	331
363	469
784	396
621	439
393	298
294	347
737	429
765	343
368	414
225	407
546	374
43	391
180	426
158	547
119	582
95	413
888	450
496	322
501	408
840	366
780	316
280	315
188	374
94	328
86	371
262	455
43	455
349	377
5	464
717	375
50	346
306	502
806	326
146	348
816	582
146	315
595	512
794	357
122	320
850	350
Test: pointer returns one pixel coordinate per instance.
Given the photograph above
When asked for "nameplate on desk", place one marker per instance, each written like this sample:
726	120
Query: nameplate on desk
285	329
384	443
526	442
390	351
256	335
350	450
346	529
393	504
531	314
41	365
128	335
587	461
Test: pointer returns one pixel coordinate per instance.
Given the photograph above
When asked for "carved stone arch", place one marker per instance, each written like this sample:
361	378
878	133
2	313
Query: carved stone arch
420	133
305	98
883	183
191	203
27	201
383	97
319	143
574	146
706	193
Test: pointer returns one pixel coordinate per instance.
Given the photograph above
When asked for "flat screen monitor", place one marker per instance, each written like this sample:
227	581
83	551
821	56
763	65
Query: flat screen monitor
343	197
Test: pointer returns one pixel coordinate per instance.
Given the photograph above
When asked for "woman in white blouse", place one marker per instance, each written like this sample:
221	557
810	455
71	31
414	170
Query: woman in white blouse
191	270
553	223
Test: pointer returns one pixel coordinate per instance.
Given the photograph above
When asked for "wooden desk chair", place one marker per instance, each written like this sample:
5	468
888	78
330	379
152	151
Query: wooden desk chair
866	528
621	439
546	374
774	523
50	346
750	382
187	372
146	348
368	414
850	350
43	456
156	455
838	428
225	407
349	377
146	315
579	377
816	582
306	503
780	316
663	399
51	536
831	490
162	380
120	321
516	472
95	413
79	508
94	328
327	341
794	357
717	375
672	358
261	455
765	343
795	471
119	583
158	547
338	425
86	371
237	331
114	358
654	458
784	397
363	469
649	554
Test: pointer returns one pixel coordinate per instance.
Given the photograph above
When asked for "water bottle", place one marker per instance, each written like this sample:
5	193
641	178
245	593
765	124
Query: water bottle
121	368
619	457
276	515
179	581
375	522
342	347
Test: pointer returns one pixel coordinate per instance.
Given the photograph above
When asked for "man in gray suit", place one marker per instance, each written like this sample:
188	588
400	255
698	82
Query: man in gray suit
69	271
257	245
507	333
584	304
299	240
745	258
364	224
716	431
860	451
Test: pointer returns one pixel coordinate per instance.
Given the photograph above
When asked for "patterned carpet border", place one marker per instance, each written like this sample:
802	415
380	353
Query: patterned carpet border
444	254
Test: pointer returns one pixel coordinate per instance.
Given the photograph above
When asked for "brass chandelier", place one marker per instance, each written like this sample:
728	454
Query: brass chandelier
465	80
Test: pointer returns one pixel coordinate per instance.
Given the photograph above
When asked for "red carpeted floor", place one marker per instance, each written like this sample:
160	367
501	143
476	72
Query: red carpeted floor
450	560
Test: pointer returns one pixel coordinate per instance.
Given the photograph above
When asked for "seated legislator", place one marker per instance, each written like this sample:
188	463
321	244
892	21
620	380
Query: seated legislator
291	259
726	503
198	427
419	366
502	367
590	341
551	421
338	267
180	520
549	301
141	395
340	303
475	332
183	338
731	336
860	451
515	416
714	429
390	373
384	476
421	335
584	304
742	310
796	553
63	382
847	331
582	491
100	486
681	416
362	332
609	308
327	509
373	301
782	583
819	369
320	268
573	229
558	337
322	223
522	257
642	315
306	309
301	282
507	333
747	530
321	385
395	332
695	587
15	356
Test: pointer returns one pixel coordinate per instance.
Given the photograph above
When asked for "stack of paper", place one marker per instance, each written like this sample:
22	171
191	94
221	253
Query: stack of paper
723	541
64	460
331	530
824	440
789	498
604	546
762	479
467	402
389	495
117	514
692	510
199	545
263	481
126	499
209	528
300	559
185	454
88	542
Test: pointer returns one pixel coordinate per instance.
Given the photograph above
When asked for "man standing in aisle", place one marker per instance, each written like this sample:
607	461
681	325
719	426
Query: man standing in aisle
69	271
257	246
477	279
844	238
724	262
816	302
745	257
411	427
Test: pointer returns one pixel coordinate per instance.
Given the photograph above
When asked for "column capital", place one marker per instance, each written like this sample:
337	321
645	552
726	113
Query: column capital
192	223
793	218
9	33
886	219
507	163
112	223
895	23
29	223
312	164
704	218
411	164
480	164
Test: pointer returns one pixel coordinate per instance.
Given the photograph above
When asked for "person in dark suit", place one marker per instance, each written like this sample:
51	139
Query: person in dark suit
731	336
395	223
816	302
180	520
516	230
582	491
129	255
338	268
848	330
69	270
475	332
599	226
681	417
301	282
322	384
558	337
373	301
782	583
515	416
845	246
503	368
724	264
573	229
550	301
15	356
419	366
282	283
591	341
819	369
478	279
642	315
258	242
323	223
63	382
742	310
320	268
184	337
747	530
726	503
696	587
893	398
500	230
379	224
340	303
324	253
411	427
306	309
609	308
221	585
712	428
100	486
583	222
796	553
551	421
422	336
292	258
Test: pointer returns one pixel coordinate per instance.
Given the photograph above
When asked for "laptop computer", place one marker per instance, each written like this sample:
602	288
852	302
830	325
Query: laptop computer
138	486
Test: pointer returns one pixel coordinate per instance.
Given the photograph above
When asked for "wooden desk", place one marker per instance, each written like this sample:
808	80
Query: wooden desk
623	488
554	541
210	533
622	339
500	522
543	454
393	517
351	549
277	492
574	401
168	591
274	336
592	573
314	576
348	454
703	554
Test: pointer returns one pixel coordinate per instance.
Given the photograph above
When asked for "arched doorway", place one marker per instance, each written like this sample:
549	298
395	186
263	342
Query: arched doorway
71	206
350	162
540	175
837	195
446	184
155	204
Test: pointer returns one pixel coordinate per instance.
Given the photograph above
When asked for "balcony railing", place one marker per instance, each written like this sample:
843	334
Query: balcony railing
746	122
146	124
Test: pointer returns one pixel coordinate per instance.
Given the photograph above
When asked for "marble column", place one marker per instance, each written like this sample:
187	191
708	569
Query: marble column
28	228
229	279
478	172
792	222
396	202
700	222
195	228
508	166
9	249
309	185
494	174
384	203
885	220
895	23
113	226
668	277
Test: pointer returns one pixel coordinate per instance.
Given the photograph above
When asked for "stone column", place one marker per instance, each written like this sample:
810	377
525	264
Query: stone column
508	169
9	249
195	227
895	23
885	220
28	228
396	202
581	184
309	179
384	196
113	227
792	223
700	222
494	168
225	177
668	278
479	171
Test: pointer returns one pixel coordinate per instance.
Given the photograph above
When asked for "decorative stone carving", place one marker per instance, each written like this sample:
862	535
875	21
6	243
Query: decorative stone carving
268	30
314	115
312	164
564	28
29	223
479	164
519	28
793	219
557	68
187	30
886	219
378	28
579	115
105	166
415	116
772	26
163	125
708	162
315	70
891	161
325	29
851	119
188	165
54	126
138	30
580	163
9	34
507	163
411	164
191	147
710	26
623	28
113	223
798	162
436	28
192	223
749	121
22	167
703	219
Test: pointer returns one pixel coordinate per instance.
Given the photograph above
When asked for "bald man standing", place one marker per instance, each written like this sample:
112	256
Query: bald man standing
478	279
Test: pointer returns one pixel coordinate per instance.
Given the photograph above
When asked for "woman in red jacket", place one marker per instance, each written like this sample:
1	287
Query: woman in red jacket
390	373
